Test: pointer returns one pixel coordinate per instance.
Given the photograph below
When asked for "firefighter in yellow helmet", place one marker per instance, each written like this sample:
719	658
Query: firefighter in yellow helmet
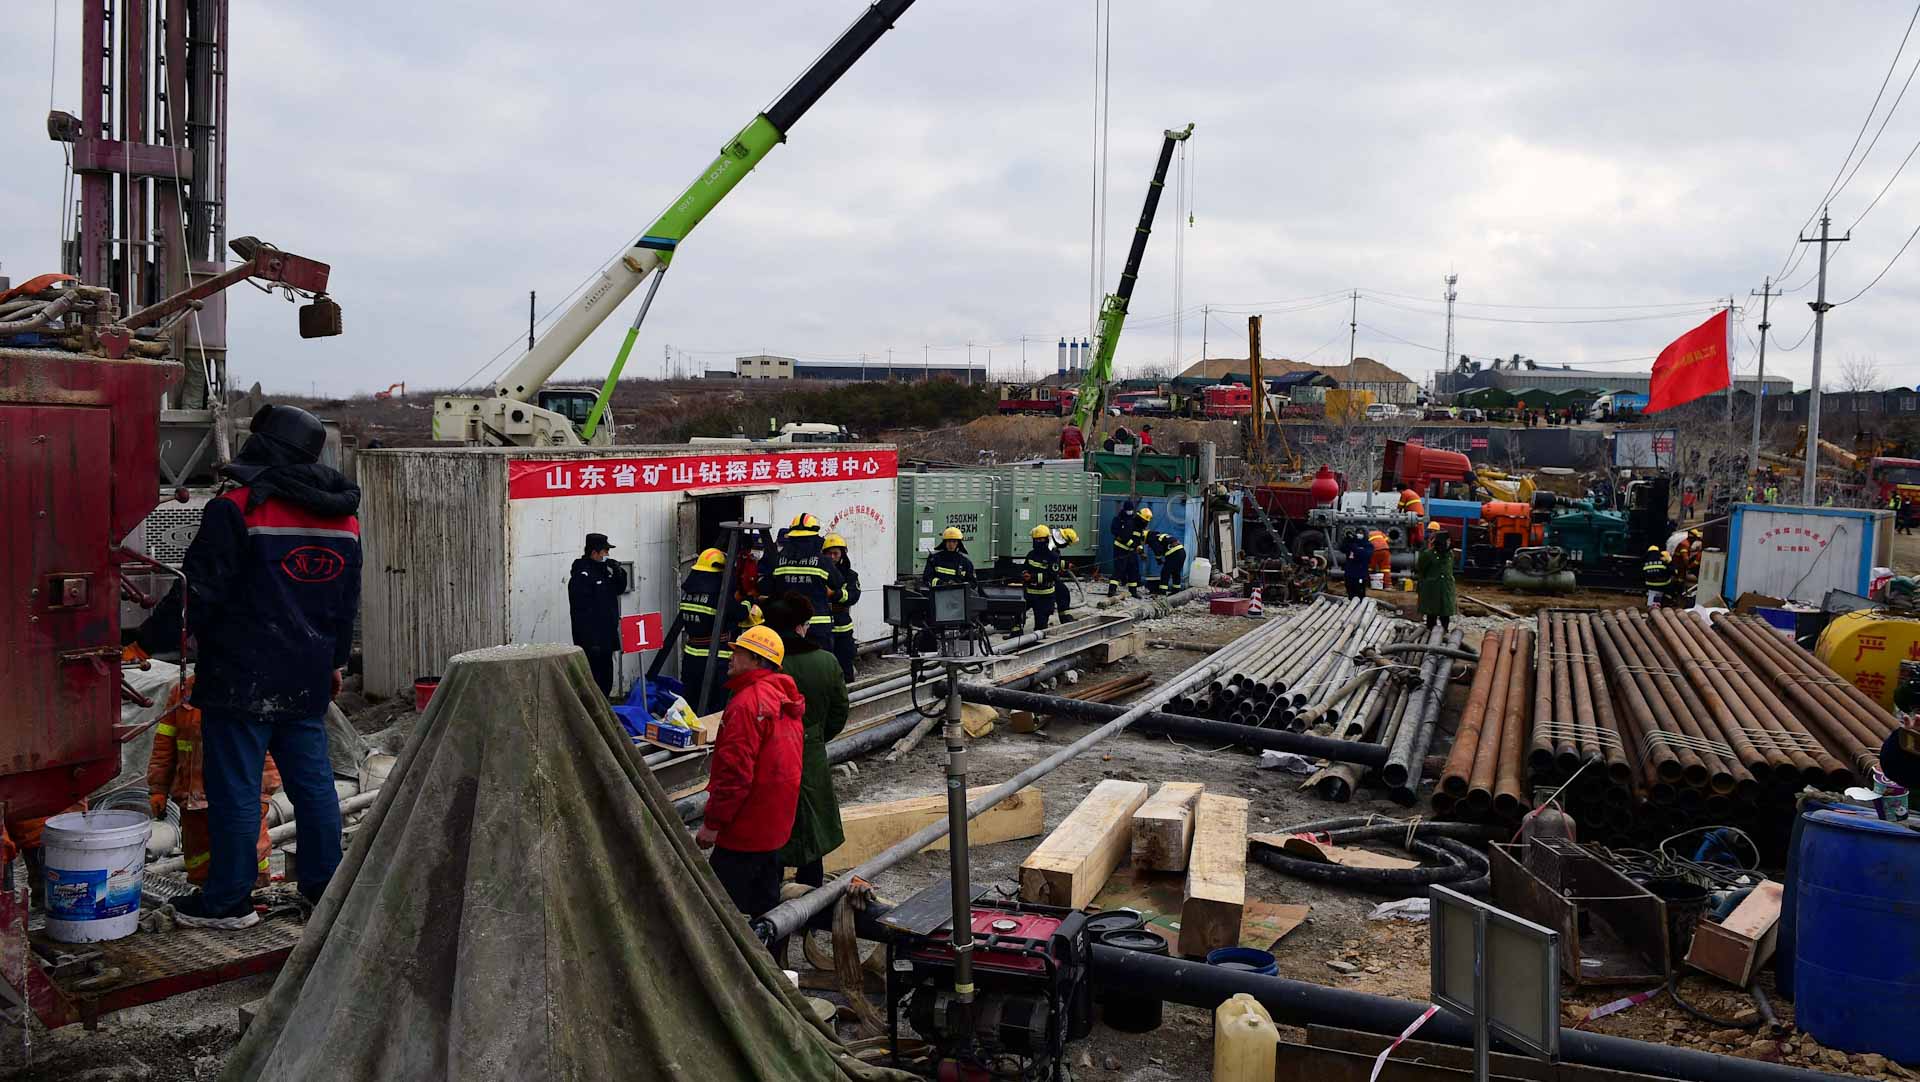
1657	571
1129	537
1040	576
1064	537
948	564
698	643
844	647
803	569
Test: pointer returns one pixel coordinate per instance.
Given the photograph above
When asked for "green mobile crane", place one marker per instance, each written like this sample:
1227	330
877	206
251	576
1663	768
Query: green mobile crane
1113	313
519	412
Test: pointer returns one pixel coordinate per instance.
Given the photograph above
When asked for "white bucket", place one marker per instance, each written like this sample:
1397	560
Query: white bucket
1378	580
94	865
1201	573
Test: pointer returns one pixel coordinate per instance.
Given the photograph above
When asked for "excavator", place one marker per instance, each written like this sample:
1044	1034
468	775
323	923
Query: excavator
1113	312
519	412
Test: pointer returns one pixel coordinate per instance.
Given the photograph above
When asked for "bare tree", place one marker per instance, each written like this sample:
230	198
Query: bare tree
1860	372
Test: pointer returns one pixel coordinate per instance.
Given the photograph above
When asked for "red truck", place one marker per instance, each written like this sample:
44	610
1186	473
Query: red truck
1051	401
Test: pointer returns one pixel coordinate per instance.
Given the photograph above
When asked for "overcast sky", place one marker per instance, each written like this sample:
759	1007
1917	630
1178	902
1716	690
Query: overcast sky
447	158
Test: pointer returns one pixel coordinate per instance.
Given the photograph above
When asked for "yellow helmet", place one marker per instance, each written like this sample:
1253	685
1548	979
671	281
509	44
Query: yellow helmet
763	641
1041	533
1072	535
1146	513
804	521
754	617
710	560
952	533
833	541
1655	548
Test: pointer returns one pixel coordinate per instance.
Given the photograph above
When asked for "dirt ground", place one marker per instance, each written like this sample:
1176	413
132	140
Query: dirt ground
187	1038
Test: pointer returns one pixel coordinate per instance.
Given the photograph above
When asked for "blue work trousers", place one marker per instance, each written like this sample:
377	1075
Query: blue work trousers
236	752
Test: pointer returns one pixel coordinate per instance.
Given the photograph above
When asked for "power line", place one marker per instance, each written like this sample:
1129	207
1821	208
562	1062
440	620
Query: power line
1511	319
1883	270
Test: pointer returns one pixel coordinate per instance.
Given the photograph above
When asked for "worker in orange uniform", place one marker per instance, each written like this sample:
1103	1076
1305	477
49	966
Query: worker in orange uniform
1382	554
175	769
1412	504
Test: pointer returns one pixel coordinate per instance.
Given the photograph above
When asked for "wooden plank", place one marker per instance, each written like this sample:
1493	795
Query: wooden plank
1163	827
1737	947
1216	876
1071	866
1324	853
1756	913
871	829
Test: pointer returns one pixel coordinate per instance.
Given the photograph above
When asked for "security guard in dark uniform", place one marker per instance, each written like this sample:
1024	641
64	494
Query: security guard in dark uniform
697	645
803	569
1040	576
1658	575
594	585
1173	562
844	647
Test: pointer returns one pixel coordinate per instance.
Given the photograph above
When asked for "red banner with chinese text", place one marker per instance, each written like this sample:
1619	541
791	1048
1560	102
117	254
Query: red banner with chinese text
530	479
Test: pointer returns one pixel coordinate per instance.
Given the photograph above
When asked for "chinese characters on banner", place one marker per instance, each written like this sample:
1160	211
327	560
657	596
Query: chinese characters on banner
529	479
1792	539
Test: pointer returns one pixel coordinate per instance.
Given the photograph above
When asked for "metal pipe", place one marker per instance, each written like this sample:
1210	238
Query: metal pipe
1663	762
1612	742
1466	737
1731	712
1566	746
1508	798
1586	725
1869	708
844	749
787	917
1817	765
1407	793
1545	722
1298	1003
1833	729
282	833
1726	773
1348	751
1483	771
1667	709
1399	763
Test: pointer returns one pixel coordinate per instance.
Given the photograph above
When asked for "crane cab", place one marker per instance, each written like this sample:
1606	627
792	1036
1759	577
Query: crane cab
576	405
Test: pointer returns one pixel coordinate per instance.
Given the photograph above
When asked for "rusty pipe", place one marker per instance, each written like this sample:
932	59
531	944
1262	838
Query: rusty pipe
1687	709
1778	657
1719	700
1545	723
1865	706
1818	766
1611	740
1647	712
1508	797
1832	729
1586	728
1779	754
1486	757
1566	751
1466	736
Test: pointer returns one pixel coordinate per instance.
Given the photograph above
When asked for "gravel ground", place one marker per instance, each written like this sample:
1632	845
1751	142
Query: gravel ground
186	1038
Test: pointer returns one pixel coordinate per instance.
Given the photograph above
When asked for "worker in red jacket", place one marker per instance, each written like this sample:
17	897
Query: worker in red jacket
753	785
1072	442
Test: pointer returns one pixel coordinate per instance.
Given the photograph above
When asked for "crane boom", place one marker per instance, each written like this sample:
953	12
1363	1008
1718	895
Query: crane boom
1113	313
508	417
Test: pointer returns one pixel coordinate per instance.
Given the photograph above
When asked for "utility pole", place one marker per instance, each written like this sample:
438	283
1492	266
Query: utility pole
1206	317
863	368
1760	380
889	364
530	298
1731	372
1809	469
926	363
1353	327
1452	295
1023	358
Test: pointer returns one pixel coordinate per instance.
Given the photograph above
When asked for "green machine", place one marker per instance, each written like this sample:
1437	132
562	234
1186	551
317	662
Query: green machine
1145	474
1113	313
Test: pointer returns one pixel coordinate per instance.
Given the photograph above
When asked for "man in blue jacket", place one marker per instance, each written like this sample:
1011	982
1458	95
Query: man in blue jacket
273	587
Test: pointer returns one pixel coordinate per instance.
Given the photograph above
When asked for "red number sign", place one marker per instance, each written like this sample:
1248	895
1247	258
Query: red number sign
640	632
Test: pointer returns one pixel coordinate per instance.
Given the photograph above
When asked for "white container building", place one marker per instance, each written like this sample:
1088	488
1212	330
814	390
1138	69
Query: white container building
467	547
1799	553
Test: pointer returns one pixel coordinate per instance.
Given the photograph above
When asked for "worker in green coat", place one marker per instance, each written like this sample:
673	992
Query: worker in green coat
1433	570
816	828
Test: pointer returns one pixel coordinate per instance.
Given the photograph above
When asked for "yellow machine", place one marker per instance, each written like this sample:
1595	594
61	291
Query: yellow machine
1867	648
1507	487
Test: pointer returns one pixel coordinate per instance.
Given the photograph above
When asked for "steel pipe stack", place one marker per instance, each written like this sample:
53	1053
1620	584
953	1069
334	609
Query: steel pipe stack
1304	678
1481	780
1846	721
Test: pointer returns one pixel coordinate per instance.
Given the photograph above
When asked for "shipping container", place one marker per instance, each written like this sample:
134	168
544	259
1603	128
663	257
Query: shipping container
930	501
1799	553
467	547
1025	498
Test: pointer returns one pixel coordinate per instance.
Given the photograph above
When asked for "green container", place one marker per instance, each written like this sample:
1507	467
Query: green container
931	502
1026	498
1145	474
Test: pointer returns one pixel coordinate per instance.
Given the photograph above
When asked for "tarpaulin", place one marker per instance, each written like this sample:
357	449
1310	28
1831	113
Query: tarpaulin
524	903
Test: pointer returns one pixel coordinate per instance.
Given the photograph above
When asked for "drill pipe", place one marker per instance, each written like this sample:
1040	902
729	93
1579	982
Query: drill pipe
1780	658
1732	776
1399	764
1842	691
1670	712
1466	736
1508	800
1816	767
1847	741
1408	793
1566	746
1493	733
1586	728
1663	763
1608	733
1735	720
1545	723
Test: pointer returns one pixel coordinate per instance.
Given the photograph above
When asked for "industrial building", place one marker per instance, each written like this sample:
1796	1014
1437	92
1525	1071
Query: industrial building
1364	374
768	366
1564	378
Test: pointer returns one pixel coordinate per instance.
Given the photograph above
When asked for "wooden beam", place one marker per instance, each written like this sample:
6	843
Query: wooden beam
871	829
1071	866
1216	876
1163	828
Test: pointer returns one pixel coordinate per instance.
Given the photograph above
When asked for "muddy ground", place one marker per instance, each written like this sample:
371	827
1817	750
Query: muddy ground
187	1038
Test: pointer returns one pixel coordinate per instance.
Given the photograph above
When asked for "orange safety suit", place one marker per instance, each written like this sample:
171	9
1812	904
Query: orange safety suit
175	769
1382	558
1412	504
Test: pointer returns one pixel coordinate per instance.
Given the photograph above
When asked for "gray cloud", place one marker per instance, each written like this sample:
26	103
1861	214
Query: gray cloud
448	158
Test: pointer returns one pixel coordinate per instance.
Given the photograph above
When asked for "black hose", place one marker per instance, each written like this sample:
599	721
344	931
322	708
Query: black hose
1673	989
1452	860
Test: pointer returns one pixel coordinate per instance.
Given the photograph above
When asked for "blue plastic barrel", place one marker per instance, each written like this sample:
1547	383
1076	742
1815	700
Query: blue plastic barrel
1856	970
1244	959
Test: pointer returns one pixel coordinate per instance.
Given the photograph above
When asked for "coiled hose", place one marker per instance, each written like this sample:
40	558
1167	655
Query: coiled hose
1446	848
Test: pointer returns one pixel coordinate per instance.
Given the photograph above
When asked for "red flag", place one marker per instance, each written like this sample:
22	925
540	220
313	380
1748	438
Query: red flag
1694	365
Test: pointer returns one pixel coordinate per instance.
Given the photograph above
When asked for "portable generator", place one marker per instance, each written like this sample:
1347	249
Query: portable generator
1031	993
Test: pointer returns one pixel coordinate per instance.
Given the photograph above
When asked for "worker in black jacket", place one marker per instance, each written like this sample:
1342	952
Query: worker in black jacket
1063	538
803	569
1129	529
698	647
1356	555
1657	572
1172	555
1040	576
273	590
948	564
594	586
844	646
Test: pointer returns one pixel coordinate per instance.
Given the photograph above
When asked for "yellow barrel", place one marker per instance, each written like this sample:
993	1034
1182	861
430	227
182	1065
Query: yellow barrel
1245	1042
1867	649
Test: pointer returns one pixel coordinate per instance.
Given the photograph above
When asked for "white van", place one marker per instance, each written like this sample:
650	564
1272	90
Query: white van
1382	411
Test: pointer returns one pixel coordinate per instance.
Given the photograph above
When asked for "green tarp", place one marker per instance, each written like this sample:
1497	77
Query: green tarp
524	903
